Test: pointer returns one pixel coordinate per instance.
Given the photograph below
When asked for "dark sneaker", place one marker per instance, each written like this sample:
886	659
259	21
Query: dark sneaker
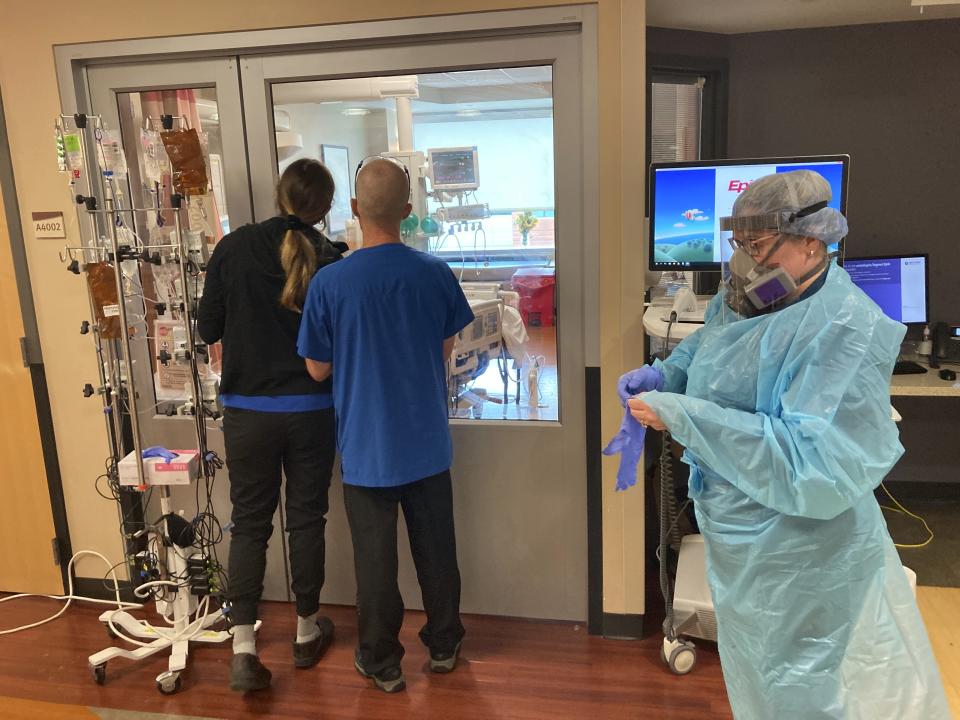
389	680
247	673
308	654
444	662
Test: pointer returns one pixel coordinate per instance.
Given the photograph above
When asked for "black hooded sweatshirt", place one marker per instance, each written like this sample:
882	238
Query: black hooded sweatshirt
240	305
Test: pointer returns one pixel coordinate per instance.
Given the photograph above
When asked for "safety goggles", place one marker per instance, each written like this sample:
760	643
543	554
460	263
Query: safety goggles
753	245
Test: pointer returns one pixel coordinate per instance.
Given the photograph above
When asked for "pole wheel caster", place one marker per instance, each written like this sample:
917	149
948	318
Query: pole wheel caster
168	683
100	673
110	633
679	655
683	659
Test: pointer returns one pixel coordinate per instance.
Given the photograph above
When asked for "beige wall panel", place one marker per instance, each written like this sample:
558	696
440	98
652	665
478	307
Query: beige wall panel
28	80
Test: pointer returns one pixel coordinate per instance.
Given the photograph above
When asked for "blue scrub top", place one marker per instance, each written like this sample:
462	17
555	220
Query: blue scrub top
381	316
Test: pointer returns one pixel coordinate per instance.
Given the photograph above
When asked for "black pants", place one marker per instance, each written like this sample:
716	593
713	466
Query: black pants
259	445
428	510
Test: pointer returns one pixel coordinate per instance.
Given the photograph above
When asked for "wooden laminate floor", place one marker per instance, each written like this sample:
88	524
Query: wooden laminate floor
940	608
514	669
510	669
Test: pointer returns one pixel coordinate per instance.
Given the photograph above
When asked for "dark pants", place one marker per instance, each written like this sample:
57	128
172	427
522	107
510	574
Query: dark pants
259	445
428	510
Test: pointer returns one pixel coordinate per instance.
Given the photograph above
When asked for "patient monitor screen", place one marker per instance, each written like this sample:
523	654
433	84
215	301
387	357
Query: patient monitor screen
687	201
454	168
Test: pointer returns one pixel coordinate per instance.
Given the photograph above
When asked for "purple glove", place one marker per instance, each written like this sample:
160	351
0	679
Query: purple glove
642	379
629	443
160	452
630	438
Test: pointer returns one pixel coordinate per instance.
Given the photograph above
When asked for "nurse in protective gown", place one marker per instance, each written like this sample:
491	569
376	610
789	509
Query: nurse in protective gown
784	411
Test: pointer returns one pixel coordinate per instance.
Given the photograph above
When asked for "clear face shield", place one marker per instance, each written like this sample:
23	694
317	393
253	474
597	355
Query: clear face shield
752	287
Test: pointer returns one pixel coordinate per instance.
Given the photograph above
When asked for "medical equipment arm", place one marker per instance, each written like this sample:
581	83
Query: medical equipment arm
830	442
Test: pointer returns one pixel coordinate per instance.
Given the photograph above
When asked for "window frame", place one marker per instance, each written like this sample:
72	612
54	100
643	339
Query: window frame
714	100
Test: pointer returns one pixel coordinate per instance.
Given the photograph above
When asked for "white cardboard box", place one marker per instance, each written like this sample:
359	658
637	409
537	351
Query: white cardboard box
184	468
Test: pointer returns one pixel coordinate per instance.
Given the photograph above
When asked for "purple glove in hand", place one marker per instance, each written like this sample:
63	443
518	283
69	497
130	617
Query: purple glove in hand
629	443
642	379
630	438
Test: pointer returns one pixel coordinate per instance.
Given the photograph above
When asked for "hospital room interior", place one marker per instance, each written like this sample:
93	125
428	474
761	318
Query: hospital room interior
704	418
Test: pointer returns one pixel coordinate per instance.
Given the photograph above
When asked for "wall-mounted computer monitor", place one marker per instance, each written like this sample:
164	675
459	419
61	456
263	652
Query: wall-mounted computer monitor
687	200
897	283
455	168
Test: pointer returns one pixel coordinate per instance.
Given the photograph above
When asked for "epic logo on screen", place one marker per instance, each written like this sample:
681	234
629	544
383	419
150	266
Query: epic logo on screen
738	186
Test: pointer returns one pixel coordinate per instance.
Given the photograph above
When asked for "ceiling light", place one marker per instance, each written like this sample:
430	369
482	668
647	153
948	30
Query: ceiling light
468	113
355	111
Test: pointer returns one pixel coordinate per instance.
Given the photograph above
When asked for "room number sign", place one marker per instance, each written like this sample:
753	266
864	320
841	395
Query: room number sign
48	225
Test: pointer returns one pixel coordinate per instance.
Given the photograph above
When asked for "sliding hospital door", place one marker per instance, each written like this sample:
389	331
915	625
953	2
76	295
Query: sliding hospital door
520	455
201	94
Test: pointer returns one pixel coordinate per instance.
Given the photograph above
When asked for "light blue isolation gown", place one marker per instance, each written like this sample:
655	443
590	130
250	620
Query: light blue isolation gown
786	423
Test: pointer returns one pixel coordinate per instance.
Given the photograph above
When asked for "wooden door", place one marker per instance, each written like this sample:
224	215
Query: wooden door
26	531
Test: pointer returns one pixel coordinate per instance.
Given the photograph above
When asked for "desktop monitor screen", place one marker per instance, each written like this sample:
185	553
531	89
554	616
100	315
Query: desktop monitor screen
898	284
687	200
454	168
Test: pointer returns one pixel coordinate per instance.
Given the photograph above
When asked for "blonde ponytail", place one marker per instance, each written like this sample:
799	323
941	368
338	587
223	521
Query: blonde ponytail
304	195
299	261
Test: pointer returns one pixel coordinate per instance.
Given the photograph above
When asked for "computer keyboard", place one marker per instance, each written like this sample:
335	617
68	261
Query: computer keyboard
908	367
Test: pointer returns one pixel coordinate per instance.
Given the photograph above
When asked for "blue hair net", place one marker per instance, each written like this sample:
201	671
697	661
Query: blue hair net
778	201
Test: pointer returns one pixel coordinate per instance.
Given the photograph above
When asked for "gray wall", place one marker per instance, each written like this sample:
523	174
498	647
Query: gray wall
889	96
661	41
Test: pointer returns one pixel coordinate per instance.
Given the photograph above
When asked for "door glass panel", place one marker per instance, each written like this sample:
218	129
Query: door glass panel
479	145
205	220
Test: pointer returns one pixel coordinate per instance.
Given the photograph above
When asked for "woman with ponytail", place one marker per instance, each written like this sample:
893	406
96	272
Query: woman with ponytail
275	415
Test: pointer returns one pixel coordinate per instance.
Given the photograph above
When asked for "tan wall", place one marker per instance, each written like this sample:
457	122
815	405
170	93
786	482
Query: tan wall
28	82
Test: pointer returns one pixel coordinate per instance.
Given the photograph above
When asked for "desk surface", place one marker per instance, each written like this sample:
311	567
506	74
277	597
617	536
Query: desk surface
927	385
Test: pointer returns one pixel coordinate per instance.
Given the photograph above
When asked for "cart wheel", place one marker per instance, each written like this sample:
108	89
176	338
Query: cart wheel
663	656
100	673
683	659
168	683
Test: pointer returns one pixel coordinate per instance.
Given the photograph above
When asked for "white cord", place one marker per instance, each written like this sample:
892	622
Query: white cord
70	597
187	633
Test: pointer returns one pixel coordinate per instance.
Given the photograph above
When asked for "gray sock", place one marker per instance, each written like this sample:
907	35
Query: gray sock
244	640
307	628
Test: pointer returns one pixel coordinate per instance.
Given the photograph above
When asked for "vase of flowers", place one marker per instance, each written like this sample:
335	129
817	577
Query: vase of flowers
525	222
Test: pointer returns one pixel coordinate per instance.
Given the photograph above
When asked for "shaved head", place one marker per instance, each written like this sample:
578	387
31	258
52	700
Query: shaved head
382	193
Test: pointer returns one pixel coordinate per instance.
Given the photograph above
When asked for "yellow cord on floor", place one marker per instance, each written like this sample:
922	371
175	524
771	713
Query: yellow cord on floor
903	511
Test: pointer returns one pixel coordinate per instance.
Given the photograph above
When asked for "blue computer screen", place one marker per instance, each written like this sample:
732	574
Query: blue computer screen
897	284
688	202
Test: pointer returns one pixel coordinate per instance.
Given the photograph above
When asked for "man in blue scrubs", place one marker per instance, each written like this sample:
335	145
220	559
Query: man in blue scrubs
386	318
